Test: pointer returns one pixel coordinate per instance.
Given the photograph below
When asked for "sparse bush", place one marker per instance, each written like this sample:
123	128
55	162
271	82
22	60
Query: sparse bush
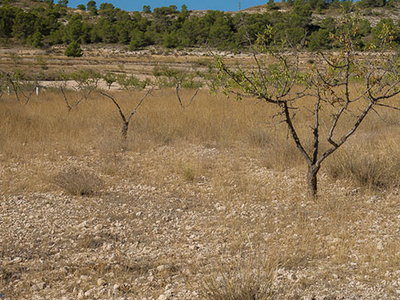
78	182
189	174
248	281
259	137
365	169
157	72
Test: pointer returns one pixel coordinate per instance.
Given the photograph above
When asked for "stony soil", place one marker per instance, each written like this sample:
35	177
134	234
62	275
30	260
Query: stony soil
168	219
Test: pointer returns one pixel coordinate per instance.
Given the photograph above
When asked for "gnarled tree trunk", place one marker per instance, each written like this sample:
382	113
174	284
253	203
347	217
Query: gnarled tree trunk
312	183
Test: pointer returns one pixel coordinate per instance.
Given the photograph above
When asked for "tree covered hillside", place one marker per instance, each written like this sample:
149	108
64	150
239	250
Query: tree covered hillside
45	23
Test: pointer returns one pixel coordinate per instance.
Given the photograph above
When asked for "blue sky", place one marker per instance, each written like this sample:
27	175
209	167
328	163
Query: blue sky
137	5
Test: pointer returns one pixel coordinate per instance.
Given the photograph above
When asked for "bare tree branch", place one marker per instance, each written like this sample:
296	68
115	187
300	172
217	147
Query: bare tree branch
126	120
347	135
18	90
179	97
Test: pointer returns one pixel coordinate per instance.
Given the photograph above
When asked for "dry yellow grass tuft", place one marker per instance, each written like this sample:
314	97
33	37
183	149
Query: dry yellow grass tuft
203	203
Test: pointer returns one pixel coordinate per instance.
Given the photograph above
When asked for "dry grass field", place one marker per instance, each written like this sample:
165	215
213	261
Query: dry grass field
209	202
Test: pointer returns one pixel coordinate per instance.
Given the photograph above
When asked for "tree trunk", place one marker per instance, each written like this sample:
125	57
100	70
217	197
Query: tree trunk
312	181
124	130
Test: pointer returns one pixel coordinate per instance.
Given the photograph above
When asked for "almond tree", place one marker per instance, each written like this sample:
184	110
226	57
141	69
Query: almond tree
85	82
344	86
109	78
17	84
126	118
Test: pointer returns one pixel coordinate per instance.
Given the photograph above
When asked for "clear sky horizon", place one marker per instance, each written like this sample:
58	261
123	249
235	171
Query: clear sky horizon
137	5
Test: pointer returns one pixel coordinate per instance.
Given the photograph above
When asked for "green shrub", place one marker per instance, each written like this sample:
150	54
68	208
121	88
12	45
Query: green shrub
73	50
131	82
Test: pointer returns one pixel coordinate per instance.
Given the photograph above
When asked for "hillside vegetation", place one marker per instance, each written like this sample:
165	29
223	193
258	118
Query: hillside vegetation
43	24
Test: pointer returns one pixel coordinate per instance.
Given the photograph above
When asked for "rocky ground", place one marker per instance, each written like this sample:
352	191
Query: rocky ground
184	222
